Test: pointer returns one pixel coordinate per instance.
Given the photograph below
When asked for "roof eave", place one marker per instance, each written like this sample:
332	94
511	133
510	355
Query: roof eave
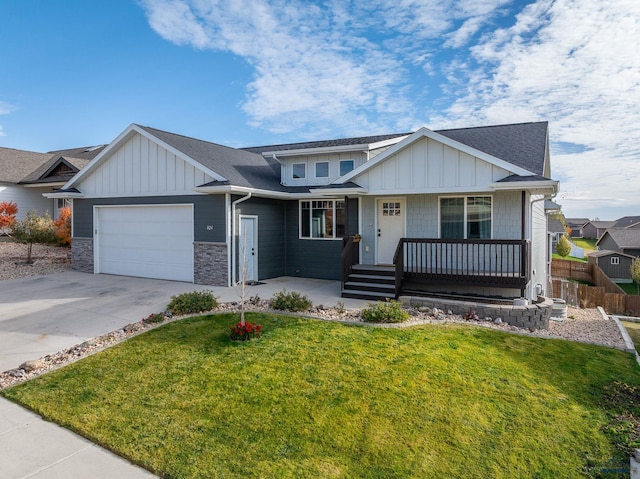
338	191
549	187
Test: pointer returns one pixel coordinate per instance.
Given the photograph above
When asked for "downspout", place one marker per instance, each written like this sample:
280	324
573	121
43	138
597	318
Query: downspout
233	235
548	261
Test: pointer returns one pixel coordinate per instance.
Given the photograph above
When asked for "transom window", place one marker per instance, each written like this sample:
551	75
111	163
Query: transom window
346	166
465	217
299	170
322	219
615	260
322	169
391	209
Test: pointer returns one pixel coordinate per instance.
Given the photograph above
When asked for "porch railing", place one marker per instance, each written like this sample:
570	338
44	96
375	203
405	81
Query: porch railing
348	258
491	263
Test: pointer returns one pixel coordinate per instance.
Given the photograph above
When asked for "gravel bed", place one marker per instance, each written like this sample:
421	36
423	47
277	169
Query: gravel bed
583	325
46	259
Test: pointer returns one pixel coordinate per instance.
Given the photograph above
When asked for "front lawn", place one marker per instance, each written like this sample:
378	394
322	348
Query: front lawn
634	331
320	399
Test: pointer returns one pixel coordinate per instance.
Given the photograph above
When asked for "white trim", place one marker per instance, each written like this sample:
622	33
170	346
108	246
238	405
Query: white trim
120	140
340	166
465	213
338	191
310	200
41	185
229	235
426	133
255	240
551	185
299	177
375	226
365	147
315	169
63	195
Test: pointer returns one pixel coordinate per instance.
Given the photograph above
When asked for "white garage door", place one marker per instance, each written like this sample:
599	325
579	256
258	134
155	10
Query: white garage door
145	241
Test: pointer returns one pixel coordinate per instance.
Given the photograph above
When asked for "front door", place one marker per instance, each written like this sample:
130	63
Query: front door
390	222
248	248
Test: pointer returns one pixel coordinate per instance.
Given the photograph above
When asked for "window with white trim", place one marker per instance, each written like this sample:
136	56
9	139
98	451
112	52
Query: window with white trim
465	217
299	170
322	169
346	166
615	260
323	219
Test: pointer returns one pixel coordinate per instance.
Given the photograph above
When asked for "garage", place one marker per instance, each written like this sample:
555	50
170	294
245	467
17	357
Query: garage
150	241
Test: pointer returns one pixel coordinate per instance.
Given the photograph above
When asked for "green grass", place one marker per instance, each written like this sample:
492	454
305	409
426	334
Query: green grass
634	331
588	244
570	258
320	399
629	288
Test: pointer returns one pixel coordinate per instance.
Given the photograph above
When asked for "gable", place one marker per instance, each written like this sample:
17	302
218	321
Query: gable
139	166
428	165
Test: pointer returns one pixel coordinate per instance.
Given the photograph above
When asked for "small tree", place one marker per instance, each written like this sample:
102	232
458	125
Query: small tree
563	248
34	229
63	226
8	211
635	273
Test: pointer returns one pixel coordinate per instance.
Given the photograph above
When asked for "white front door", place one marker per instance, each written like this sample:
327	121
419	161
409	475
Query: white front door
248	248
390	222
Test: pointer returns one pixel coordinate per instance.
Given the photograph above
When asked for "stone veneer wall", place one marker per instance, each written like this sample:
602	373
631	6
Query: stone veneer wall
531	316
82	255
210	263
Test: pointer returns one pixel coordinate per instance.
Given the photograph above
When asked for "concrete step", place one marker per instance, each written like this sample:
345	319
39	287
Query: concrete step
373	287
366	295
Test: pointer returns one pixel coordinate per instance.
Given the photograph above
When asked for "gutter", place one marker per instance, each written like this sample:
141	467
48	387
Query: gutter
233	235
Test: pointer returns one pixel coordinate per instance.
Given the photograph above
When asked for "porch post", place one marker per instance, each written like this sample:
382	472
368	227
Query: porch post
346	217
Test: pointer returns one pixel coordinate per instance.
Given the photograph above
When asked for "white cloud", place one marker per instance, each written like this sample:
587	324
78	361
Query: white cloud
5	109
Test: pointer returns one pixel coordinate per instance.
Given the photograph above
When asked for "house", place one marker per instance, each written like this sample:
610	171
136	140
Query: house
595	229
576	225
614	264
627	222
456	211
556	230
25	176
622	240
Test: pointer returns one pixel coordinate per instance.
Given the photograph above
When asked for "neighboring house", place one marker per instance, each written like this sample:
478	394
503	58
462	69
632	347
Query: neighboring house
576	225
627	222
556	230
623	240
454	211
595	229
614	264
25	176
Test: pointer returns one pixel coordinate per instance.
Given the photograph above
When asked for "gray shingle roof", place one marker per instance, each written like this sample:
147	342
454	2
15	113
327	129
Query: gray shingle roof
626	221
554	225
606	252
42	174
362	140
623	237
84	153
240	167
603	224
17	164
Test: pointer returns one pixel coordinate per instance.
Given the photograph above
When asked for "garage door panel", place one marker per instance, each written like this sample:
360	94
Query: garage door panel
146	241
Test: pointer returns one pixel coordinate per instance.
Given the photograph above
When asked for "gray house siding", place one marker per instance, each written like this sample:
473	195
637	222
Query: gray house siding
271	237
614	271
607	243
209	210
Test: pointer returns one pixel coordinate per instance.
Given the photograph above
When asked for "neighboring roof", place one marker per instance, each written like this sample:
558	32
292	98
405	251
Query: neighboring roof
555	226
17	164
576	221
362	140
84	153
602	224
47	172
239	167
521	144
606	252
626	221
551	206
623	237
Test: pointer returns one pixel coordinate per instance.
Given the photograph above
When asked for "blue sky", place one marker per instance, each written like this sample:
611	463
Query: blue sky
241	73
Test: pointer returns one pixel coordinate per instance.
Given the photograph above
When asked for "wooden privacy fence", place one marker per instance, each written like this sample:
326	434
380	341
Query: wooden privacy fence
605	293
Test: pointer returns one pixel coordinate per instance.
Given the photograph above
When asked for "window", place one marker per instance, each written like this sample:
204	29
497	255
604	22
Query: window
391	209
346	166
299	170
322	169
465	217
322	219
615	260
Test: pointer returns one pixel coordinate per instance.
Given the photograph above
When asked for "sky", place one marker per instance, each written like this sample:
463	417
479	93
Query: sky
244	73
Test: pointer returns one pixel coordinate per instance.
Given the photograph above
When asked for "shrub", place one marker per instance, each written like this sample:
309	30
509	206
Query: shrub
34	229
384	312
292	301
193	302
245	332
563	248
8	211
63	227
154	318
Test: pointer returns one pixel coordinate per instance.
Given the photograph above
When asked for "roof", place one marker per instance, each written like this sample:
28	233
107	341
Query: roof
46	172
239	167
84	153
626	221
17	164
362	140
602	224
576	221
606	252
551	206
623	237
554	225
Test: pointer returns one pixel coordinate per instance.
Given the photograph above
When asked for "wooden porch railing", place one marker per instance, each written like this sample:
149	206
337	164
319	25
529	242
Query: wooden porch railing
348	258
490	263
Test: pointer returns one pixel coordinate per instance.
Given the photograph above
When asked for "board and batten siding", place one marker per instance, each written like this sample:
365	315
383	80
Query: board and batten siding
27	199
310	160
428	166
209	214
141	167
538	236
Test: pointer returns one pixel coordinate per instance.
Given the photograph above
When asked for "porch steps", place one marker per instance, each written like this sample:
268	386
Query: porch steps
373	283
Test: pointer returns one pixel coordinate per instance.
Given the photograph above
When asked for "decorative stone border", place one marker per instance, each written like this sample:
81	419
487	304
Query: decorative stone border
530	316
